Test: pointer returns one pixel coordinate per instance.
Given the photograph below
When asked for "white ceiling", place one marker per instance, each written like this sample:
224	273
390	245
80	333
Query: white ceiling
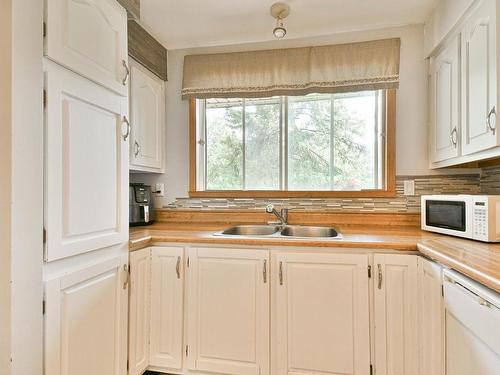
200	23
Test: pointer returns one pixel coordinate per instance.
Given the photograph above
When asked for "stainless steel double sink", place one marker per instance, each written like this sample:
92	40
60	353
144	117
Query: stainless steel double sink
292	231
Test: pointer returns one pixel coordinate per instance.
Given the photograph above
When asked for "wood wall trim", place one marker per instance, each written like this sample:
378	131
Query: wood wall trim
204	218
390	170
133	7
146	50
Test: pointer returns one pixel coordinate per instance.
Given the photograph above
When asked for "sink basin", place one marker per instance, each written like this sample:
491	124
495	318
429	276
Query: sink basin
251	230
306	231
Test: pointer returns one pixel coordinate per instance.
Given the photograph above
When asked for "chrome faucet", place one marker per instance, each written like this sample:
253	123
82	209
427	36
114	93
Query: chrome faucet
282	216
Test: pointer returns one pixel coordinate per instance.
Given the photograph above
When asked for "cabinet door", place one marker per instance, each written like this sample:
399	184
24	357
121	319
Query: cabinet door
139	311
147	114
90	38
86	320
395	299
479	77
431	318
322	314
167	287
228	311
446	106
86	169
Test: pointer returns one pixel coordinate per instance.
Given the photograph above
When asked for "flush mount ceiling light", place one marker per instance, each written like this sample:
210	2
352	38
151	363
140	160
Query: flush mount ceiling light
279	11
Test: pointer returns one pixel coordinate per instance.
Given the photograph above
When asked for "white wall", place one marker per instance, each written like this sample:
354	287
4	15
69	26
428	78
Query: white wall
21	160
411	131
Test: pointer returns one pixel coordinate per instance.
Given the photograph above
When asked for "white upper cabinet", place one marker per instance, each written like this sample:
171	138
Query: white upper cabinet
445	102
86	165
167	288
479	62
147	114
321	314
431	318
228	311
139	311
86	320
395	296
90	38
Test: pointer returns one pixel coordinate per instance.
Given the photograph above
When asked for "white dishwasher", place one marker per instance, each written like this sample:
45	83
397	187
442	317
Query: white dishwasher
472	321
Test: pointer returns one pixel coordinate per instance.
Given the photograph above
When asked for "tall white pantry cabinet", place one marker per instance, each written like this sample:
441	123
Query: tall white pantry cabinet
86	143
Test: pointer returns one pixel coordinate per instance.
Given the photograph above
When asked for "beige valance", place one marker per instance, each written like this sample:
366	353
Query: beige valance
360	66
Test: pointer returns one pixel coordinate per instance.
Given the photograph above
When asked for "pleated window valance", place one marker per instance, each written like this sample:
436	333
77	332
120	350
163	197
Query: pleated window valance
360	66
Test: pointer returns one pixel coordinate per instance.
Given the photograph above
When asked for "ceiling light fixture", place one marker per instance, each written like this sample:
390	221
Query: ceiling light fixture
279	11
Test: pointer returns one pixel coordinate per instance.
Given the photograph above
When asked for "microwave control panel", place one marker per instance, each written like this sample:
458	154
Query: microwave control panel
480	222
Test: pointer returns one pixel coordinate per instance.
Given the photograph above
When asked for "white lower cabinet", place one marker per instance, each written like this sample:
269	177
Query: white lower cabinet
86	320
430	318
228	311
395	314
322	314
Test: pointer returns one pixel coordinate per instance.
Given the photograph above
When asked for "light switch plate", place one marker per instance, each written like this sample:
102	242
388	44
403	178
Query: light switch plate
409	187
160	190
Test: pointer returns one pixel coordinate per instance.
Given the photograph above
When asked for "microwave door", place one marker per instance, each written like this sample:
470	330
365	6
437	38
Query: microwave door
448	217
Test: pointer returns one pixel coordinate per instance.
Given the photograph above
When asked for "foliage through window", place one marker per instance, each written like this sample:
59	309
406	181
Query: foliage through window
317	142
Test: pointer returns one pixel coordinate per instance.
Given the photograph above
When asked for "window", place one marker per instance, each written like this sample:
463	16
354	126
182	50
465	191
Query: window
323	144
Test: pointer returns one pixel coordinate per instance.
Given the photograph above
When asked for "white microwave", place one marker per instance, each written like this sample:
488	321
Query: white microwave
476	217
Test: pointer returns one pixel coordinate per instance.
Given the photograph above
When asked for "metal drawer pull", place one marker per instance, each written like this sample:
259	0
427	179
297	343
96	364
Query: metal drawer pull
264	271
127	73
379	267
281	273
125	120
454	137
178	267
137	148
483	302
488	120
127	279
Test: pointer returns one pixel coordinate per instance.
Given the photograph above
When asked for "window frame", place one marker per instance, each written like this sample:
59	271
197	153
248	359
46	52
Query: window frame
390	166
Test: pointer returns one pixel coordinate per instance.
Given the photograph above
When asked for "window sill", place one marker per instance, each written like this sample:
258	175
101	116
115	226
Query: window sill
293	194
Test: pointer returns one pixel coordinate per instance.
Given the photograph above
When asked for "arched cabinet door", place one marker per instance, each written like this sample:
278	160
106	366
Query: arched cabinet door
90	38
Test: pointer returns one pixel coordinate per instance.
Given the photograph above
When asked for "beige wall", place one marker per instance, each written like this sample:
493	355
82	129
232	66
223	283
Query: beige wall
5	181
411	158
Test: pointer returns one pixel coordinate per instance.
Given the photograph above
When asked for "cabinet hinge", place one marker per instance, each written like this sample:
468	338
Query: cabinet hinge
188	262
371	369
442	290
128	365
44	98
187	350
43	307
44	29
369	271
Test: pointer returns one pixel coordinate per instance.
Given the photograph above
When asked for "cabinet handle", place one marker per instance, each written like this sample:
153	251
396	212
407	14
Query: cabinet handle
127	73
125	120
379	267
488	120
264	271
281	273
178	267
127	276
454	137
137	148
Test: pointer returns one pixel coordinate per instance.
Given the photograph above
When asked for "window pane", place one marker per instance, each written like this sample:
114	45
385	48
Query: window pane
262	144
354	150
309	151
224	145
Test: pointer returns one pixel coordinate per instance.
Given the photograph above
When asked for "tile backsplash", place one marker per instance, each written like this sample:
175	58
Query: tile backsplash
488	181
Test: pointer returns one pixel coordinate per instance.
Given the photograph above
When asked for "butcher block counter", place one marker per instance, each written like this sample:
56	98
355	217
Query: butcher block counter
477	260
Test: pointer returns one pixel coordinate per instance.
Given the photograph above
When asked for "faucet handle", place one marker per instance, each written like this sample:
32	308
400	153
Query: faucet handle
269	208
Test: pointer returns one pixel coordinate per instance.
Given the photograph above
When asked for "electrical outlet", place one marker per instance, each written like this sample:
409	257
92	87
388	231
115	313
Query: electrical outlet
409	187
160	190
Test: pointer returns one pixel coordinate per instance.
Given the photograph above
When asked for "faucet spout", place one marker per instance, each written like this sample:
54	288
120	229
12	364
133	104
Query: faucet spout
282	216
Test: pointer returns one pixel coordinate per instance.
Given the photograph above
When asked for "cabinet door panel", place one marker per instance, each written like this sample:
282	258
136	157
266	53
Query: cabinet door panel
479	77
322	314
396	349
431	318
147	113
86	173
446	121
139	311
167	280
228	319
86	321
90	38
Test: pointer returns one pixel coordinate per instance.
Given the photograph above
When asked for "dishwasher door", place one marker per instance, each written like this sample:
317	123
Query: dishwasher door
472	321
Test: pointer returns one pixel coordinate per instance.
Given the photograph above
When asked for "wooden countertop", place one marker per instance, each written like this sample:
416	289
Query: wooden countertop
480	261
